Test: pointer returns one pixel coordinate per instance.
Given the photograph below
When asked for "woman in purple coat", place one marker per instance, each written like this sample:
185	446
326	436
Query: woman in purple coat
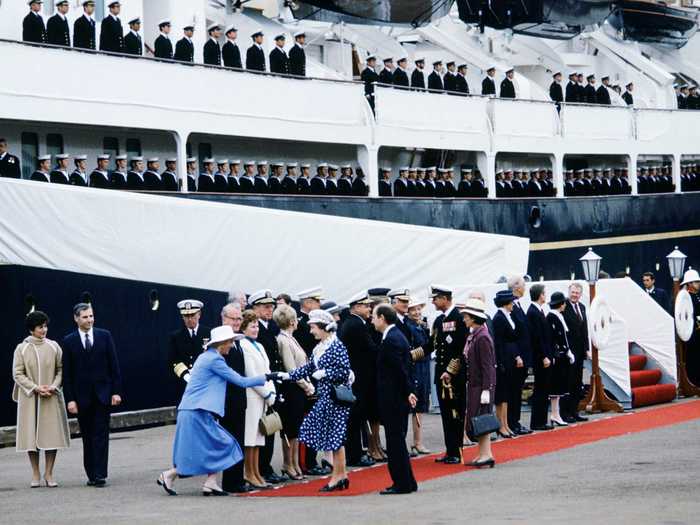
481	376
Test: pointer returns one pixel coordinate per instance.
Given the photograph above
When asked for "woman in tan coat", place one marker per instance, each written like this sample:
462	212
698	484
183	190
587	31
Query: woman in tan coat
42	423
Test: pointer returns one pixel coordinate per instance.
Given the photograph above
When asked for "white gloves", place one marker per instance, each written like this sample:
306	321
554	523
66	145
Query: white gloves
571	357
319	374
186	377
270	400
351	377
284	376
485	397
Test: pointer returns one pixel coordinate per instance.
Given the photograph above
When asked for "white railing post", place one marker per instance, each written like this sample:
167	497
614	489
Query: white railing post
676	167
181	145
367	156
558	172
632	173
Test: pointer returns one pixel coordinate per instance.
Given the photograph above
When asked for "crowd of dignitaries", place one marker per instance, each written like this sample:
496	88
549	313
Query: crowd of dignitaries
431	182
114	38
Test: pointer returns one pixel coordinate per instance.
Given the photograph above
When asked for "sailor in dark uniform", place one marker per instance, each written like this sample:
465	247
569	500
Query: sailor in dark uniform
261	184
572	89
369	77
435	78
568	183
9	164
386	75
627	95
465	186
185	344
535	186
111	30
184	49
556	94
488	85
418	74
449	81
507	86
233	184
332	180
134	177
221	176
430	184
420	183
42	170
384	182
401	183
79	176
450	188
230	53
151	177
449	336
205	181
345	181
169	177
133	43
84	27
440	182
279	61
57	29
212	49
479	188
602	93
191	174
163	47
590	90
255	56
461	84
274	183
33	27
247	181
580	87
297	55
289	182
60	174
118	178
99	178
412	186
303	181
597	182
359	186
318	183
400	75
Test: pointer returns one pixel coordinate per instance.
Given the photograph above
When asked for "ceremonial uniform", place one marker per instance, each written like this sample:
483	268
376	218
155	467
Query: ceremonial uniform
449	81
279	61
84	33
40	176
133	45
78	178
303	186
260	184
603	95
134	181
590	94
185	346
461	85
255	58
359	187
418	79
112	35
184	50
118	180
59	177
345	185
572	92
163	47
297	60
57	31
400	77
435	82
555	92
151	181
99	179
10	166
318	185
212	53
247	184
386	76
206	183
369	77
274	185
507	88
488	86
231	55
233	184
168	181
34	29
627	97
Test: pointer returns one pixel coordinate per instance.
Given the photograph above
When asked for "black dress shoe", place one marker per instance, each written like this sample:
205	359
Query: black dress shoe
274	478
504	436
240	489
569	419
452	460
541	428
391	491
90	483
522	431
208	491
579	417
318	471
100	483
364	461
441	459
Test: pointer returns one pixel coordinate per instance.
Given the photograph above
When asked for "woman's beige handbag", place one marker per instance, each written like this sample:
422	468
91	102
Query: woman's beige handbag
270	423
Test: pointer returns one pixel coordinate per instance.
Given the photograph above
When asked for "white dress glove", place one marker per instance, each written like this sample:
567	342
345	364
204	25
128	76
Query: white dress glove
485	397
351	377
571	357
186	377
284	376
319	374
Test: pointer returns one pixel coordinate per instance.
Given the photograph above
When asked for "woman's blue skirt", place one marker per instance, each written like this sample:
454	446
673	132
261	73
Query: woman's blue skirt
202	445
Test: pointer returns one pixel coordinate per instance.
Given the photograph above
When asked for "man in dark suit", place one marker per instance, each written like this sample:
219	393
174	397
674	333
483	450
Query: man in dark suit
400	76
555	91
369	76
79	176
297	55
185	343
279	61
523	360
448	341
507	86
577	322
133	43
571	93
151	177
255	56
9	164
57	29
627	95
163	47
33	27
111	30
184	49
602	94
541	343
355	335
418	75
395	396
84	27
230	53
99	178
212	49
658	294
91	385
386	75
488	85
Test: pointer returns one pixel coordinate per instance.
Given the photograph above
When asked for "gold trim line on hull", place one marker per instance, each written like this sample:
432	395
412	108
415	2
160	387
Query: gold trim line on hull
606	241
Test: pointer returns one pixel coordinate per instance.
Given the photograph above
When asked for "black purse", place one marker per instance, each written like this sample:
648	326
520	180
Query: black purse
342	395
484	424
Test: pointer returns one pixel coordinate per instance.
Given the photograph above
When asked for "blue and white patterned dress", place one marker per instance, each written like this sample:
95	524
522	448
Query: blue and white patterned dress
325	426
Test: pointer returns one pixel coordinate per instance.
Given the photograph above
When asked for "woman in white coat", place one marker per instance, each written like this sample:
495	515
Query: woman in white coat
258	399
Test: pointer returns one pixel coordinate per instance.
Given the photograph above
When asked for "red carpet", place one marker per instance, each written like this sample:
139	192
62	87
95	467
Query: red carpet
373	479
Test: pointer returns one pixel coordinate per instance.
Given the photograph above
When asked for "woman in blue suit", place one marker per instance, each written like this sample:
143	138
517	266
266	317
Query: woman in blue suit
202	446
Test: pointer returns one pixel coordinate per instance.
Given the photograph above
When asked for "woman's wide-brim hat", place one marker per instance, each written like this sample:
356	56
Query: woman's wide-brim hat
475	308
223	333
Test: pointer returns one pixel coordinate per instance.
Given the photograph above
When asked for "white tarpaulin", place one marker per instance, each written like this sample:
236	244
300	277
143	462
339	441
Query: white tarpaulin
229	247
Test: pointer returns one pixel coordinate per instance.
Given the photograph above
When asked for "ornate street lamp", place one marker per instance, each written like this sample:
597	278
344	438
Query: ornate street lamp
591	266
676	265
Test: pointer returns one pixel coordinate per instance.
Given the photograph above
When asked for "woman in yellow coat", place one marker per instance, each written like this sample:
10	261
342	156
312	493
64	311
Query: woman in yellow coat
42	423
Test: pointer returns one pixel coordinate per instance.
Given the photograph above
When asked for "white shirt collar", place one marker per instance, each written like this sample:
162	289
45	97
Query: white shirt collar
507	314
264	323
90	334
651	290
214	39
259	46
449	310
561	318
134	32
166	36
386	331
115	17
89	17
195	329
233	41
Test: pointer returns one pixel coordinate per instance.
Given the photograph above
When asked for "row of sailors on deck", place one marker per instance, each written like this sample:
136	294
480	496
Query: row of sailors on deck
113	39
690	177
576	91
596	181
525	183
228	178
431	182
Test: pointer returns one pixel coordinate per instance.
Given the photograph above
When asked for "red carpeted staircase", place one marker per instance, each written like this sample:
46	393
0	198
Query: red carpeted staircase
647	388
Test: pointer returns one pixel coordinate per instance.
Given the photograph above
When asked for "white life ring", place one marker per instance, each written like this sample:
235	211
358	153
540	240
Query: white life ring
601	319
685	324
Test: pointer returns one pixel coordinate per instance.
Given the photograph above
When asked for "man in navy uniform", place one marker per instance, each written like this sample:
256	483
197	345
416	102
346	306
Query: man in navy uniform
461	84
297	55
359	186
221	175
318	183
169	176
523	360
435	79
261	184
590	90
602	93
274	182
112	32
465	186
191	174
134	178
418	75
118	178
79	176
449	81
289	182
345	181
331	180
658	294
230	53
185	344
33	27
303	180
151	177
60	174
401	183
206	181
84	27
488	85
9	164
184	48
233	184
400	76
247	181
255	56
99	178
384	182
572	89
370	77
57	29
449	336
279	61
133	43
507	86
163	47
42	170
92	385
556	94
212	49
386	75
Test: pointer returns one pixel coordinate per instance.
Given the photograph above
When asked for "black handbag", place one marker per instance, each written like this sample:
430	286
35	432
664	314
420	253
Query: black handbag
342	394
484	424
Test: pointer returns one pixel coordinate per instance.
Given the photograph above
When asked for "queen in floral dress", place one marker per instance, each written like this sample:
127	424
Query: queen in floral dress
324	428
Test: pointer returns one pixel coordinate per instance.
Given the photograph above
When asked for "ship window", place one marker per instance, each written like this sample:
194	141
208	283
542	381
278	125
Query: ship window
203	151
110	145
54	144
133	147
30	151
188	147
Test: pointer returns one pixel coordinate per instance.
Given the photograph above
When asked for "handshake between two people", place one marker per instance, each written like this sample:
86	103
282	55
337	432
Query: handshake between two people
284	376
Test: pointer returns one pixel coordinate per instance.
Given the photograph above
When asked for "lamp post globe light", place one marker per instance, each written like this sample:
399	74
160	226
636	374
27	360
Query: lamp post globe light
676	264
591	266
